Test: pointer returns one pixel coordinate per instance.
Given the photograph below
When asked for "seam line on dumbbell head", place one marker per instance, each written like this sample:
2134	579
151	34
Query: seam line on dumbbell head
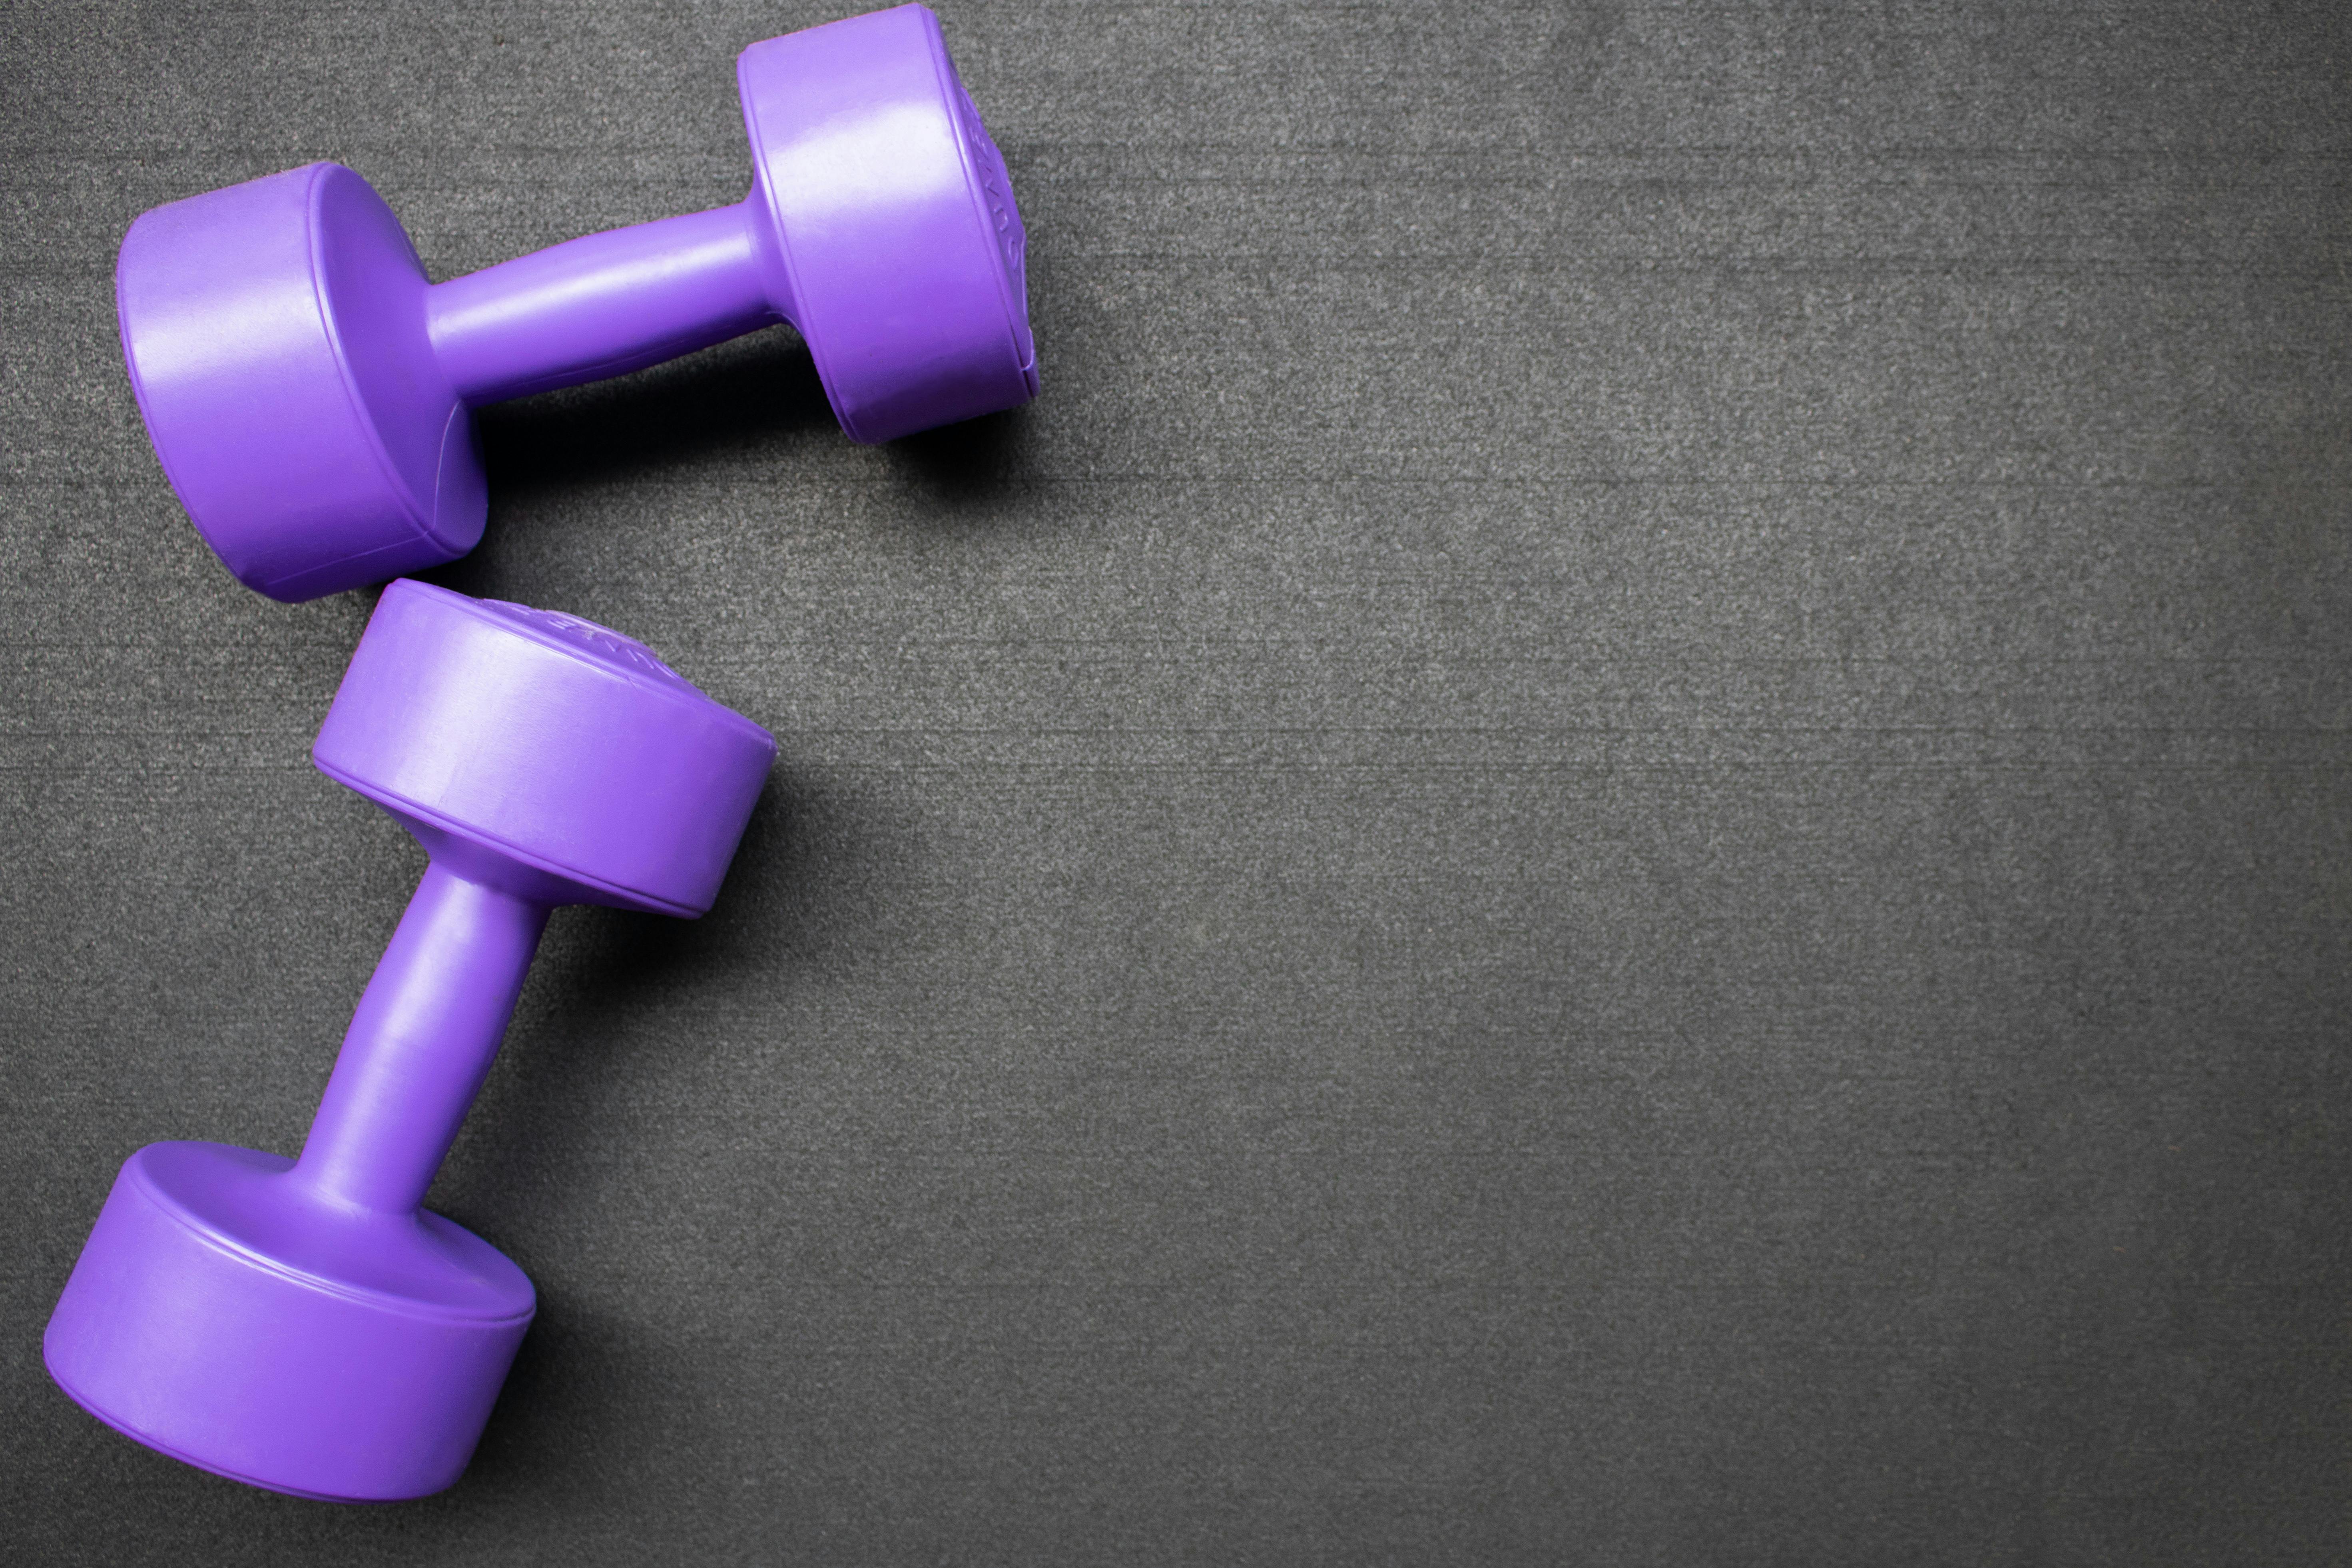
139	1434
419	510
395	801
383	1300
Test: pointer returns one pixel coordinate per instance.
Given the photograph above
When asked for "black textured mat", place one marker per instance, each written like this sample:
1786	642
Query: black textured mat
1622	836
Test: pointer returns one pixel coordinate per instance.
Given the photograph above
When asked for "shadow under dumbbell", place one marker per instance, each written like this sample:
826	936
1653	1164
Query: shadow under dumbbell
813	883
578	1044
740	403
751	398
734	397
737	395
966	473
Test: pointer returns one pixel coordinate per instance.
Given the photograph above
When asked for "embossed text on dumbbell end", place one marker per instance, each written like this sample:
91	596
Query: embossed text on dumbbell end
308	391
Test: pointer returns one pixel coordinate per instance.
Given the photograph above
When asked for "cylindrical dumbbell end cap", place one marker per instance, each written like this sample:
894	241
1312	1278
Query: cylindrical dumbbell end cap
545	744
892	223
221	1314
275	335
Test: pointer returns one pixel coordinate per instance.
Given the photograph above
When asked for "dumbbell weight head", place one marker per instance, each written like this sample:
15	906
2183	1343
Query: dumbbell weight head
306	1325
275	337
308	389
902	254
543	754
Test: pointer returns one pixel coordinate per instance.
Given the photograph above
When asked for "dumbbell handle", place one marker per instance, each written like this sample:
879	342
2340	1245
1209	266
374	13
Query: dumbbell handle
421	1042
601	305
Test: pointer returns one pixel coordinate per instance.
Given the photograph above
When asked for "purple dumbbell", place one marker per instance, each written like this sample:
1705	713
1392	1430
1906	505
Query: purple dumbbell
303	1324
309	393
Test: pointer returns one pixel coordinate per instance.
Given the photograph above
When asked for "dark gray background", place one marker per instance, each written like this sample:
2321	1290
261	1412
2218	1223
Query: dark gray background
1623	833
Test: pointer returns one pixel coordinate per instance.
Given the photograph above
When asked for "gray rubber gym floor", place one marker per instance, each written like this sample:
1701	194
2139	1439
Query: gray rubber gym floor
1623	834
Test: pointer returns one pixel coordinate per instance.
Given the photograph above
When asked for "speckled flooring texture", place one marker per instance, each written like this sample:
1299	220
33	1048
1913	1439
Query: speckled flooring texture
1622	836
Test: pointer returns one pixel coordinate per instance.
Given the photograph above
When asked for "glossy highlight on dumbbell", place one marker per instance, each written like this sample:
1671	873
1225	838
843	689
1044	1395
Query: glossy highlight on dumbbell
306	1325
309	393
